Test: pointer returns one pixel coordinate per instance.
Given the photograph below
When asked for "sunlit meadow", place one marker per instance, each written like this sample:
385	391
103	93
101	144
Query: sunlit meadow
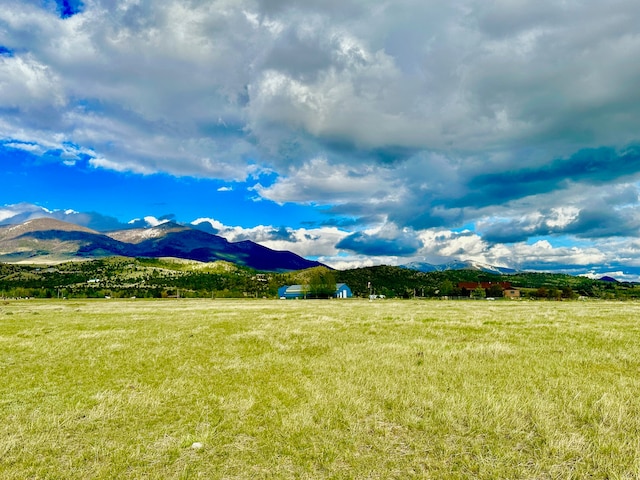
319	389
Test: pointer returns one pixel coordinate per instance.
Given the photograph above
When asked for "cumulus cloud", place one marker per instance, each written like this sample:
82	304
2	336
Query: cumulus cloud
21	212
318	181
386	241
593	212
307	242
520	118
114	78
357	76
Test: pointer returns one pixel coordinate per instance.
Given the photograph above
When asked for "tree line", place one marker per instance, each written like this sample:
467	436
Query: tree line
143	277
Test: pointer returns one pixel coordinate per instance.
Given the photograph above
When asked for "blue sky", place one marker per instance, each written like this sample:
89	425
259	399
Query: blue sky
355	132
49	183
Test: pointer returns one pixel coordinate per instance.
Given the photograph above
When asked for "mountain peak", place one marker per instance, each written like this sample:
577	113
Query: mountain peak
49	240
458	265
138	235
170	225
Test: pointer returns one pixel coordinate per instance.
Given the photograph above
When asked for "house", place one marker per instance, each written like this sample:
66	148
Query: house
511	293
302	291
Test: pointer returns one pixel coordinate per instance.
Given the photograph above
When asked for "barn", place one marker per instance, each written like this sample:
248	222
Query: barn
288	292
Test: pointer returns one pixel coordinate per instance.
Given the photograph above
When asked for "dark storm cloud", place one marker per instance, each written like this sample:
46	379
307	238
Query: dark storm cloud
282	233
590	166
268	234
368	244
604	223
592	222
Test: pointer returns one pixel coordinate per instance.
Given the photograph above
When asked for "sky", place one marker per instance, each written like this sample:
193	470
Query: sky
355	132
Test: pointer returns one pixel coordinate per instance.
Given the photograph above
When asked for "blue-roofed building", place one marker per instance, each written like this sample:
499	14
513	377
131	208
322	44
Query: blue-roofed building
288	292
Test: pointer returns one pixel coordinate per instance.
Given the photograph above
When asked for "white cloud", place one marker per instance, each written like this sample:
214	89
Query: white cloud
22	211
27	147
421	114
29	84
439	246
307	242
346	262
461	77
211	221
310	242
335	183
153	221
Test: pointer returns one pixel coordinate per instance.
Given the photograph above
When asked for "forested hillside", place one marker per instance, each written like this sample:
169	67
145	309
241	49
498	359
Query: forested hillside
169	277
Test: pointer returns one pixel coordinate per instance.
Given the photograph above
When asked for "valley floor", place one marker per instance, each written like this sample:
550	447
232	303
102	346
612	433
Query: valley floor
183	388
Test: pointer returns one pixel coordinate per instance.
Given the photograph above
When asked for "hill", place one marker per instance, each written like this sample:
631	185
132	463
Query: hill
166	277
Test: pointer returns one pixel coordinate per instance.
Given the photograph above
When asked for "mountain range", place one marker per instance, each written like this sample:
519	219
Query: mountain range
47	240
85	235
458	265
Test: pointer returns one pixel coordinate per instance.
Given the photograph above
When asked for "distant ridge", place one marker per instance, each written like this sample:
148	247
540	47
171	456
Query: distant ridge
607	278
41	224
49	240
458	265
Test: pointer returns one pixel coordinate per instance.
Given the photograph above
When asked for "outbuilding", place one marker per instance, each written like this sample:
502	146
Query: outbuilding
288	292
511	293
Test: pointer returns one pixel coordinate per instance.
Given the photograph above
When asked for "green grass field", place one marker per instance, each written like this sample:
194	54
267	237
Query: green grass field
319	389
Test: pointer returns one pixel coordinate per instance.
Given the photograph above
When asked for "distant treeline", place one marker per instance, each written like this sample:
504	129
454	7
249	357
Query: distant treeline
145	277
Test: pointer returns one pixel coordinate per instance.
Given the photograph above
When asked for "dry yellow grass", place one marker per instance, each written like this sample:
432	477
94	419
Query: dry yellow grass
319	389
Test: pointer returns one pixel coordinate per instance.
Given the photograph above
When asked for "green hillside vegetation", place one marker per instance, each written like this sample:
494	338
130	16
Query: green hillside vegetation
172	277
140	277
398	282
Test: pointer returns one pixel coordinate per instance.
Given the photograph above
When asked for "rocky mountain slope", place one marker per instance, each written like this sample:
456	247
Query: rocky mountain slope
46	240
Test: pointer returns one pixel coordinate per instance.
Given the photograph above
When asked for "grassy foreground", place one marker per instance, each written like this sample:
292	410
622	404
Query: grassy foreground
319	389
